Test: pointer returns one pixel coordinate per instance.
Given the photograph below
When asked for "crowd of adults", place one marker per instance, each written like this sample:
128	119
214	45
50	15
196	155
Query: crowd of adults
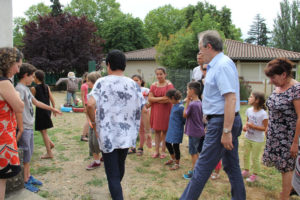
115	106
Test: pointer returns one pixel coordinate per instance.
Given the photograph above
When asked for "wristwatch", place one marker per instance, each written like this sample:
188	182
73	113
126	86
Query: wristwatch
226	130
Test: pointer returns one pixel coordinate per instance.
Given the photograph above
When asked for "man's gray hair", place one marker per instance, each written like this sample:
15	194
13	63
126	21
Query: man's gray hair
211	37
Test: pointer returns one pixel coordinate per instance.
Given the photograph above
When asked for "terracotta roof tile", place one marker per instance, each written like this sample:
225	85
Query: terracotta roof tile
236	50
142	54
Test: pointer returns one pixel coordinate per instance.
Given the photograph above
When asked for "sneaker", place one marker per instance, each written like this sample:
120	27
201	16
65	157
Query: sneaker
245	174
93	165
34	181
188	176
252	178
30	187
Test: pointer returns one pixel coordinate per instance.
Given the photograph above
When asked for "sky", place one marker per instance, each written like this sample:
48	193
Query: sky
242	11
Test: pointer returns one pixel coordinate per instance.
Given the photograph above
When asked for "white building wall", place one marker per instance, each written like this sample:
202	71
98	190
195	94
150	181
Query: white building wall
146	69
6	23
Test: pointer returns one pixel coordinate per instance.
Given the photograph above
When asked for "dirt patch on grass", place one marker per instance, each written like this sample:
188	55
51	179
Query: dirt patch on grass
65	176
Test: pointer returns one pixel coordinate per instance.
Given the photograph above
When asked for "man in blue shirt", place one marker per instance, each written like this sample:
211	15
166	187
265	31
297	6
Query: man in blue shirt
221	104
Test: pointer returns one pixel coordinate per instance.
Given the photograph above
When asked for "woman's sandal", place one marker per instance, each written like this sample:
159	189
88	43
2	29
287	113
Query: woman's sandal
162	156
175	167
140	152
156	155
169	162
132	150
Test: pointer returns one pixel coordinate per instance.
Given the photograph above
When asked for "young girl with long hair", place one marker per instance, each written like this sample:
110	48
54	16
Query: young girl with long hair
145	91
257	122
43	117
175	130
84	93
160	110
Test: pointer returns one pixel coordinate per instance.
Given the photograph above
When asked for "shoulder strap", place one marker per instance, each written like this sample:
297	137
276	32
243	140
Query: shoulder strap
4	79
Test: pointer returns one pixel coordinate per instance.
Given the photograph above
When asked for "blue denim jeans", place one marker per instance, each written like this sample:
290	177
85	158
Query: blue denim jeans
71	95
211	154
114	164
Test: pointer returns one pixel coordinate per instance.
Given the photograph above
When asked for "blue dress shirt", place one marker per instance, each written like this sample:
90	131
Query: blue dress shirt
221	78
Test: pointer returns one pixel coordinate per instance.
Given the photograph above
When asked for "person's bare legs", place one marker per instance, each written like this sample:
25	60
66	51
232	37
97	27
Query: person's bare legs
26	172
194	159
157	142
96	156
163	141
85	130
286	185
2	188
48	144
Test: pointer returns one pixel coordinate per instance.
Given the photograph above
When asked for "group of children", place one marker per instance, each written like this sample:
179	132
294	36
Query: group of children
187	117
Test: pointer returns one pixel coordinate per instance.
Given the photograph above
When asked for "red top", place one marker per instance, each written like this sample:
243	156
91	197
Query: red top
84	88
160	112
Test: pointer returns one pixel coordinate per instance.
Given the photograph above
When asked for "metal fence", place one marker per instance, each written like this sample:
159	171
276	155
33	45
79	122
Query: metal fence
180	78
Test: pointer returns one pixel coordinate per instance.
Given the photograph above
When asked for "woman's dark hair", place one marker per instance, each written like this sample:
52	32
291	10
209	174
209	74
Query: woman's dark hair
176	94
278	66
40	75
162	69
116	60
26	68
8	56
84	76
139	77
261	99
196	86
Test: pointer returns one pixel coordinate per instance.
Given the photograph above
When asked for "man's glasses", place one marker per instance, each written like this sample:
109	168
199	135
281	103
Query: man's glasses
204	69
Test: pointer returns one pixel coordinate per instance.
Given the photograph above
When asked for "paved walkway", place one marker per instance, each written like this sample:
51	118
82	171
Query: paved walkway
24	195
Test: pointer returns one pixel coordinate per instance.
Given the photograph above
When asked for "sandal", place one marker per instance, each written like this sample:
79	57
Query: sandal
156	155
132	150
162	156
84	138
140	152
175	167
169	162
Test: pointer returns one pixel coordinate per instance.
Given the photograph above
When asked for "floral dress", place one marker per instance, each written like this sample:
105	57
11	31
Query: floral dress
281	129
9	157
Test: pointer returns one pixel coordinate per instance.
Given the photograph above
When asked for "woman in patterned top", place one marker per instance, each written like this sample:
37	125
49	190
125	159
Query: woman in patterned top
10	102
119	103
284	122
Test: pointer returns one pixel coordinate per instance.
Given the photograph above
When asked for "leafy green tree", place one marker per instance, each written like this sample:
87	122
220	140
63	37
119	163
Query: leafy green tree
258	33
124	32
286	32
223	17
97	11
18	31
56	8
164	20
35	11
180	50
31	14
